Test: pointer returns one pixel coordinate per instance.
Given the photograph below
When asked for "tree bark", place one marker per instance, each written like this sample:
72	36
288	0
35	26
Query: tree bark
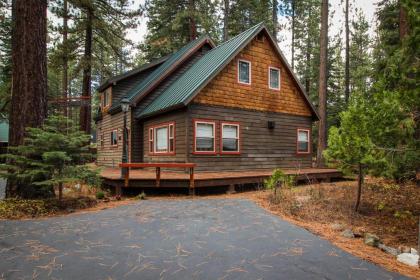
275	20
403	23
359	187
65	58
226	20
193	27
293	33
60	191
29	71
347	64
308	64
85	110
322	91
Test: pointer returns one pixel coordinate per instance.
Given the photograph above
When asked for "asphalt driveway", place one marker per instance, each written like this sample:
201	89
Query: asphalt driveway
175	239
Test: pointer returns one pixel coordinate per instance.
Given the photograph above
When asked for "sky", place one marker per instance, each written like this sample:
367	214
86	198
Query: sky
367	6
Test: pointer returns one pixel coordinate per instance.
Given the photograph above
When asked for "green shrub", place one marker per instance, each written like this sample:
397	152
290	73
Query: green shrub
141	196
100	195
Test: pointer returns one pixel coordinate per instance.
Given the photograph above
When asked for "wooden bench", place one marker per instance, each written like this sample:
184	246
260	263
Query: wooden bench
158	166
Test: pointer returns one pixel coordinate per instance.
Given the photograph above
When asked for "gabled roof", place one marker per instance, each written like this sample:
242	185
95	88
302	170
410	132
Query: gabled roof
165	69
113	80
184	89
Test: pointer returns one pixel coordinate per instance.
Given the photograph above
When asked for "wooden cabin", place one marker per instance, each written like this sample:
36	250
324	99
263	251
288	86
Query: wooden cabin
237	106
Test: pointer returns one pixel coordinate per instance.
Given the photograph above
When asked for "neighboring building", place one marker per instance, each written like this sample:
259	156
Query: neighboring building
4	136
237	106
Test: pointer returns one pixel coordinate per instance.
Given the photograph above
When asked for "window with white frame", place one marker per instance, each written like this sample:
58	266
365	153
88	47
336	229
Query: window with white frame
162	139
244	72
303	141
274	78
114	138
204	137
230	138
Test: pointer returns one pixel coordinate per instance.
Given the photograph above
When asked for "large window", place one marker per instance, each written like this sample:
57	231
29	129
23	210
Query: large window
162	139
204	132
274	78
114	138
303	141
244	72
230	138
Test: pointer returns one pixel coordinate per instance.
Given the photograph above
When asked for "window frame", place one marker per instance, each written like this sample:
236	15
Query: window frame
269	78
108	94
297	141
198	121
238	71
152	139
116	138
238	125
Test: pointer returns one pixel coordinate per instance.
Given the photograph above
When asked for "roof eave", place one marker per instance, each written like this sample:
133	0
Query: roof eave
159	112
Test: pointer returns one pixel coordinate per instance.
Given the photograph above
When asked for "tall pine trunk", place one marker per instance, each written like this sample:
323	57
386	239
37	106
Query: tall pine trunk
85	110
65	58
293	34
275	20
226	20
29	71
403	23
347	64
192	24
322	91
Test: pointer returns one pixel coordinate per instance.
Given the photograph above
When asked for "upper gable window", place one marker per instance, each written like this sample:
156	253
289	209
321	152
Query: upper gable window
106	98
274	78
244	72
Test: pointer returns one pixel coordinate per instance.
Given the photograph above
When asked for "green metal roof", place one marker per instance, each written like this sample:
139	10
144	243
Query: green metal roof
4	131
208	66
163	69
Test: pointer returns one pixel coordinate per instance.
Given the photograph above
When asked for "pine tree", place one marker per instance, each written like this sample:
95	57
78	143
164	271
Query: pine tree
5	57
51	156
170	24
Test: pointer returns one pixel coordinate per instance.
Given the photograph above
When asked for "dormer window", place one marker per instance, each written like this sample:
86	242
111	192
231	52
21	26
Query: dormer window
107	98
244	72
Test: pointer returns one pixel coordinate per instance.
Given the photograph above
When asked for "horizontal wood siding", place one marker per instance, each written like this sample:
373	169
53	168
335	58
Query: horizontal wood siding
224	89
261	147
179	117
111	155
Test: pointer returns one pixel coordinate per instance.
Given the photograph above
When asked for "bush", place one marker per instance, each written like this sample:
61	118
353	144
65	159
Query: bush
100	195
141	196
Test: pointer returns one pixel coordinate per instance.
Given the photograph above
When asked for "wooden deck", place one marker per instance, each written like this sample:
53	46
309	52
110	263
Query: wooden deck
146	178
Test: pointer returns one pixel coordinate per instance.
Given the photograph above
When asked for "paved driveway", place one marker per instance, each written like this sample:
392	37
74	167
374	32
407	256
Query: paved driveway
177	239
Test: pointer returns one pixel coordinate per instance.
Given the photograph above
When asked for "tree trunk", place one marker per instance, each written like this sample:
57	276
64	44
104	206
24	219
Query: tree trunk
29	71
226	21
347	66
293	34
65	59
193	27
60	191
322	92
275	20
403	23
308	64
85	110
359	187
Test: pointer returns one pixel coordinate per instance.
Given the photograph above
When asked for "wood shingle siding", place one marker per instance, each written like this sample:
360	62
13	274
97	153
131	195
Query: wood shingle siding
261	147
225	90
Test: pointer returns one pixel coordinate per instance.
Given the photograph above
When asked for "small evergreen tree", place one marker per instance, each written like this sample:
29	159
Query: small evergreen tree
350	146
51	155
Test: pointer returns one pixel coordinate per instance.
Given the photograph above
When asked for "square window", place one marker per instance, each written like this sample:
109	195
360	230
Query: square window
244	72
274	78
162	139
